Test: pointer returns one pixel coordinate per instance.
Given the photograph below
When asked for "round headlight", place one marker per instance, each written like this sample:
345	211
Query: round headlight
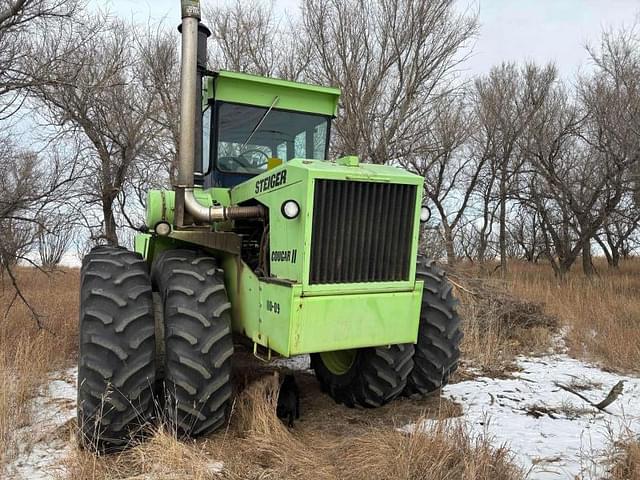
162	228
425	214
290	209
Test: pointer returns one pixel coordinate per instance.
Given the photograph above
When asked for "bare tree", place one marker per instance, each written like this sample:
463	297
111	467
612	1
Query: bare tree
29	184
17	240
98	94
611	97
575	185
24	26
617	231
508	98
55	235
392	59
247	37
29	181
525	231
159	72
451	173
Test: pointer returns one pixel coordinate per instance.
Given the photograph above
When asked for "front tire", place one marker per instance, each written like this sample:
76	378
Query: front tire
366	377
116	364
437	350
198	342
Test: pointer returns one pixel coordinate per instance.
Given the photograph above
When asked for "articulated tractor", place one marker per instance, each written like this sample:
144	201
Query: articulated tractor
262	239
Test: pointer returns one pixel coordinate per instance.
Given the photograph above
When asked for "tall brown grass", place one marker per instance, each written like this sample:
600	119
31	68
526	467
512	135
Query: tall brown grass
601	314
257	445
499	325
29	353
626	462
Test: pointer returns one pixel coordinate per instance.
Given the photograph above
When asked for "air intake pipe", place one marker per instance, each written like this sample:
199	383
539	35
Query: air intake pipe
190	114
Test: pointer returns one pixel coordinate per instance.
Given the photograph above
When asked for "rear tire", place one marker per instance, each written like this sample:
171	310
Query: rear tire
366	377
116	369
198	342
437	350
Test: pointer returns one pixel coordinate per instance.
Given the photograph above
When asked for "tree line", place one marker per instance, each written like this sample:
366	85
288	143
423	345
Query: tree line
518	163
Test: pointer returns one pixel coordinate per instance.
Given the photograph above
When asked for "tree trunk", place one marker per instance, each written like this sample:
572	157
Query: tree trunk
614	248
503	225
448	242
482	247
615	258
605	250
110	233
563	269
529	254
587	264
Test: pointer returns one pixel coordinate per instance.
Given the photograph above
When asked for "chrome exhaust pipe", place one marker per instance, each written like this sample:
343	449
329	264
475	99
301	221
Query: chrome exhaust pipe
190	92
206	214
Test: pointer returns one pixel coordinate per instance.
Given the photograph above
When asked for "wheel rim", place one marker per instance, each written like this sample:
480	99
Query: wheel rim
338	362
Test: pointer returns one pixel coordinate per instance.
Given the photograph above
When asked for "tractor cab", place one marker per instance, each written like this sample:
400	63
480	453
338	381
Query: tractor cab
251	124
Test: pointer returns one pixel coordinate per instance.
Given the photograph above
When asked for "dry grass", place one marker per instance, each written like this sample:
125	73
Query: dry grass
27	353
162	456
626	463
443	451
519	315
498	325
257	445
601	314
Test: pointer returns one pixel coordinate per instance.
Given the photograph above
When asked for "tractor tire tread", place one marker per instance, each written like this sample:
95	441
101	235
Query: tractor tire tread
198	340
378	375
437	350
116	371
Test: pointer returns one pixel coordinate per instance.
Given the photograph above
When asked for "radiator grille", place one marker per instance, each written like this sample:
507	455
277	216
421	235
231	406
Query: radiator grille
362	231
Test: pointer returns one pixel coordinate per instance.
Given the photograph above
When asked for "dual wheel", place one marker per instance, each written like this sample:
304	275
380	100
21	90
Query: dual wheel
122	386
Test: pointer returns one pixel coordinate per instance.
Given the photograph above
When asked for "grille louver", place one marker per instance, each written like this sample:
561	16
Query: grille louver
362	232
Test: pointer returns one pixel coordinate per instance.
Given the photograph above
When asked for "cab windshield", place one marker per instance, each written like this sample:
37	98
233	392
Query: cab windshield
247	137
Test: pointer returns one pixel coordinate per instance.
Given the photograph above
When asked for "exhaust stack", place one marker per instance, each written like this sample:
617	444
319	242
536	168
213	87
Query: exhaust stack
190	124
188	91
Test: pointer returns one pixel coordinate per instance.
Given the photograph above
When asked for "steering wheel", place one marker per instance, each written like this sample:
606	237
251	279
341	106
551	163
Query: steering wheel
255	150
243	161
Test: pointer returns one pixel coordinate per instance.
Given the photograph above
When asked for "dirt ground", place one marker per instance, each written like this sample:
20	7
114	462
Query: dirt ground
321	415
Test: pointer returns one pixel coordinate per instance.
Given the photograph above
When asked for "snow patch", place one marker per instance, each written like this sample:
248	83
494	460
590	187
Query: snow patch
553	433
299	362
215	467
44	443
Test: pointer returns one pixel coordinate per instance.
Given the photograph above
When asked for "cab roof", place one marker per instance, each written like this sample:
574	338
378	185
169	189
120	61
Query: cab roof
249	89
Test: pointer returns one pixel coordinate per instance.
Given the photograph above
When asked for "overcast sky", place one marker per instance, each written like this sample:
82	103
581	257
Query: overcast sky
519	30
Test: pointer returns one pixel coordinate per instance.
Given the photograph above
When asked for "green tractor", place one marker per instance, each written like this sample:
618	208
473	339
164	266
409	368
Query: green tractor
264	238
